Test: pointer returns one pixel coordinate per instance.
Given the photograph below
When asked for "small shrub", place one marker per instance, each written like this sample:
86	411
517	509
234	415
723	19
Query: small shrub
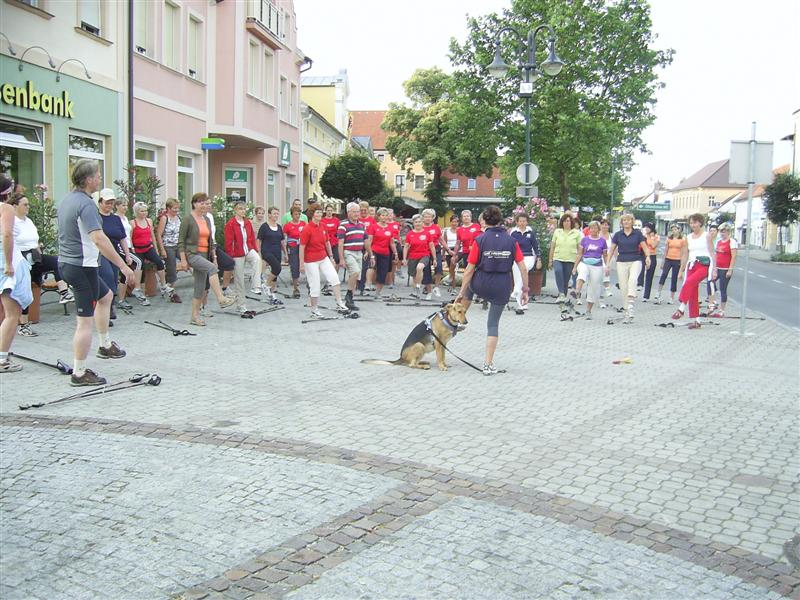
793	257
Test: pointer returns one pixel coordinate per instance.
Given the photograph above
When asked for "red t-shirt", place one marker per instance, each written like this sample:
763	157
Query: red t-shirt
313	238
395	227
466	234
368	222
473	254
331	226
381	236
293	231
724	254
435	232
418	244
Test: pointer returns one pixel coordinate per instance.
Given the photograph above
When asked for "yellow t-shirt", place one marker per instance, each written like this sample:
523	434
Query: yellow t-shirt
565	244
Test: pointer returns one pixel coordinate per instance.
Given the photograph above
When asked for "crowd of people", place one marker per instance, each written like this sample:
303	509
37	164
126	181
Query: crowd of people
102	252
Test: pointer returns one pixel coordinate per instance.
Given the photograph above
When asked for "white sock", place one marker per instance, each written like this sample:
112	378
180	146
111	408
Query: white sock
105	339
682	307
3	356
79	367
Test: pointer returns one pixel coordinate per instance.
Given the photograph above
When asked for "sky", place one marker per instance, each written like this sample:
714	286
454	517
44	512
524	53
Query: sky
736	61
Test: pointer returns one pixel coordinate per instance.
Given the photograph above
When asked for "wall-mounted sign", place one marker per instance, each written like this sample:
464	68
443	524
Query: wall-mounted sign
28	97
654	207
285	154
236	176
210	143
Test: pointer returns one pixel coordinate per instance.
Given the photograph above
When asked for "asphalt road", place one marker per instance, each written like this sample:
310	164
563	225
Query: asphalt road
773	290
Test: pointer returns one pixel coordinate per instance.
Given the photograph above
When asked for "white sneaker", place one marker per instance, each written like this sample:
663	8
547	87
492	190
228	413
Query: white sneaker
609	293
489	369
670	301
645	300
579	302
428	297
139	295
603	305
341	308
315	314
436	292
67	297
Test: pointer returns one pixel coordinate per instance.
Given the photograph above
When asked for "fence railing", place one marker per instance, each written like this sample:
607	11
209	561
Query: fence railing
267	14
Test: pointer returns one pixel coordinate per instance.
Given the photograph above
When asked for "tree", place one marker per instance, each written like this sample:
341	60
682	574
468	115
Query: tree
443	129
350	176
596	108
782	202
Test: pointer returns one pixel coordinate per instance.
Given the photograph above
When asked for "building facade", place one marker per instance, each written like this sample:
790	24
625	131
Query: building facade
62	80
472	193
704	191
321	142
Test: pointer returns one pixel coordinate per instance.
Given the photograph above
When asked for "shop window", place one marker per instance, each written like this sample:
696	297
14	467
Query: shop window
194	50
454	184
269	76
86	145
170	55
471	184
142	29
89	16
419	182
22	153
253	67
272	178
399	181
185	177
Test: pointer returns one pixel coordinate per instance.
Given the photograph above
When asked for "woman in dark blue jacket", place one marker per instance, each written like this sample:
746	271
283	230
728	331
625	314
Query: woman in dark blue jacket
529	245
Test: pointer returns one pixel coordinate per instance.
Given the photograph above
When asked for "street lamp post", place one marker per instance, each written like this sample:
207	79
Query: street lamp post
527	63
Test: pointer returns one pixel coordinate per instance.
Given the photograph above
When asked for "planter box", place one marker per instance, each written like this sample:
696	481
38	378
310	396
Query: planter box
34	309
150	281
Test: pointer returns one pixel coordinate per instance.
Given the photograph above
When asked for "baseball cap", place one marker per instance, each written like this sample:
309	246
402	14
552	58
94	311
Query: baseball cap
107	194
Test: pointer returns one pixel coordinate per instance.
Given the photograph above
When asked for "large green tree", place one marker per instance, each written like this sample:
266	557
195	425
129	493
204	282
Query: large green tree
782	202
443	128
351	176
595	109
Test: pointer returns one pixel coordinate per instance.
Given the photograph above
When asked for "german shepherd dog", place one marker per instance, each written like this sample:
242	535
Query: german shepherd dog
445	324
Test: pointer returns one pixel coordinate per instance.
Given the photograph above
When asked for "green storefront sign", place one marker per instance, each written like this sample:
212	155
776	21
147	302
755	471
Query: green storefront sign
285	155
236	176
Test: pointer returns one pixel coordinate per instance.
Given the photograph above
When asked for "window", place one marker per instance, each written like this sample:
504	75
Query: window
289	190
399	181
496	184
171	36
194	50
419	182
145	161
471	184
22	153
380	157
269	76
89	16
272	178
254	67
185	177
293	104
284	100
86	145
454	184
142	36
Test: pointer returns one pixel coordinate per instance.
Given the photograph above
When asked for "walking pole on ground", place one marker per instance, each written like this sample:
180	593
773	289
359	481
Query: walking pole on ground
110	387
60	365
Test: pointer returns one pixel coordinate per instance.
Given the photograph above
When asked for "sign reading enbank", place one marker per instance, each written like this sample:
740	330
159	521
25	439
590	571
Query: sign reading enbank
28	97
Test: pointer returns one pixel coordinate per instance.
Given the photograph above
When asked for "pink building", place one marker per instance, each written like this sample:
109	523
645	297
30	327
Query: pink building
231	70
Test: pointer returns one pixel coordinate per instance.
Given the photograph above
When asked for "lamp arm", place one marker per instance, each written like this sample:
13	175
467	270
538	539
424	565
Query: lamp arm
517	35
532	36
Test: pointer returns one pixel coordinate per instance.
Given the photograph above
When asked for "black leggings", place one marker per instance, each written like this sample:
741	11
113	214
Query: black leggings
674	265
383	263
274	263
294	261
151	256
722	284
648	277
48	264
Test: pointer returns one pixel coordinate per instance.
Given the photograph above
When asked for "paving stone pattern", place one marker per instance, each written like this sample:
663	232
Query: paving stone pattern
473	550
698	436
91	515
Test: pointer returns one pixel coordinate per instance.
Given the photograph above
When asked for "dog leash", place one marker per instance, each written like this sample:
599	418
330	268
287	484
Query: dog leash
469	364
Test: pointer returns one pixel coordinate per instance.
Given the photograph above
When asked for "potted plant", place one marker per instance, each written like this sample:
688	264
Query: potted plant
538	216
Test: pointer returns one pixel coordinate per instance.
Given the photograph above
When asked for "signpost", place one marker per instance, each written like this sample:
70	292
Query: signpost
527	191
750	163
527	173
656	206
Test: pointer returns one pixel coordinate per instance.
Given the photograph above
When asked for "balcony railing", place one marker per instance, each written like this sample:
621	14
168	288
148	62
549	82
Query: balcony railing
266	13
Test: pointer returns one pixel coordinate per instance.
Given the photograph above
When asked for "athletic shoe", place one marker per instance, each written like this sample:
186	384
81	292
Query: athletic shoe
414	295
242	310
66	297
6	366
561	298
167	290
175	298
579	302
519	311
670	301
489	369
25	331
139	295
349	303
428	297
436	292
342	309
125	305
657	301
645	300
226	302
296	294
603	305
693	325
89	377
113	351
678	314
275	302
588	316
717	314
256	291
315	314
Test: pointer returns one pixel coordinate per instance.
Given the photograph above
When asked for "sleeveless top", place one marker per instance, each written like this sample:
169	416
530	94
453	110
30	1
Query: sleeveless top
171	228
141	238
451	237
697	246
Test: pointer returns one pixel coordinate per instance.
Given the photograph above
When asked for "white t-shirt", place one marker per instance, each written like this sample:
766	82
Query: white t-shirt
126	224
244	236
26	236
697	246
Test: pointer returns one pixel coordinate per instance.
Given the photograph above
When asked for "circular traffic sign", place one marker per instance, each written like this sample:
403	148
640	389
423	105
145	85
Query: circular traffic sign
527	173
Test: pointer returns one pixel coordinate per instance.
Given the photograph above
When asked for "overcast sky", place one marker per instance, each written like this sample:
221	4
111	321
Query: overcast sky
736	61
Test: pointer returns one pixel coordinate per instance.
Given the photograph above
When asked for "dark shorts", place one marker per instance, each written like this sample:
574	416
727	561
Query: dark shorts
294	261
224	262
86	285
461	259
425	261
383	262
274	263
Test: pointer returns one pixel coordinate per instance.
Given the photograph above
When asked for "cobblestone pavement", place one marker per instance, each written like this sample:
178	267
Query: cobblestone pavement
674	476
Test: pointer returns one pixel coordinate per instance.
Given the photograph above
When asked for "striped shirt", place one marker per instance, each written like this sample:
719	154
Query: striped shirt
353	234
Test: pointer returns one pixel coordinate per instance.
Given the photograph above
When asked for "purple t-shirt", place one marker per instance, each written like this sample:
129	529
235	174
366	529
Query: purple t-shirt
593	250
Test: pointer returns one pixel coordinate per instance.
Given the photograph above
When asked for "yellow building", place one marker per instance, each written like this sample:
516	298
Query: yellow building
321	142
704	191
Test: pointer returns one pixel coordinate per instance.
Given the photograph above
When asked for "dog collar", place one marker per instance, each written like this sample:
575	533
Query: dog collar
453	327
